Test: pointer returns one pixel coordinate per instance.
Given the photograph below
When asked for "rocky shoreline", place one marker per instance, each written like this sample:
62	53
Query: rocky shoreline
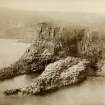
60	61
59	74
62	73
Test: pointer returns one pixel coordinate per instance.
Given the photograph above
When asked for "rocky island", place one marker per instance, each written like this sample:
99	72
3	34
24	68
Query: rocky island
61	56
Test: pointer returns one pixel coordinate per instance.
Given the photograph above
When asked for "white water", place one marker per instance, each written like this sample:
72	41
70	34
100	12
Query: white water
90	92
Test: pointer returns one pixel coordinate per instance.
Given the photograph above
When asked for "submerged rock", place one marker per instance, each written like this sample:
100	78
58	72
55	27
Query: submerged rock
11	92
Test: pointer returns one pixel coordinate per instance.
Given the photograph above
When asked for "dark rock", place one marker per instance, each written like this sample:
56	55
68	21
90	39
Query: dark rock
12	92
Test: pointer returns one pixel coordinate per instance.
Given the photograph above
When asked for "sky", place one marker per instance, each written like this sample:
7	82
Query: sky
91	6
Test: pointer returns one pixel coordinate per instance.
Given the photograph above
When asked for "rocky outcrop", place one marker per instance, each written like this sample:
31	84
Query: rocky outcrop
48	47
53	43
36	57
60	55
62	73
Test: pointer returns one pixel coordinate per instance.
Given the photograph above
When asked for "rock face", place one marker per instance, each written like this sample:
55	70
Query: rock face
62	73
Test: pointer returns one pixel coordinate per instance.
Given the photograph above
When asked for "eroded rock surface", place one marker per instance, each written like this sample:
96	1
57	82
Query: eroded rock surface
36	57
62	73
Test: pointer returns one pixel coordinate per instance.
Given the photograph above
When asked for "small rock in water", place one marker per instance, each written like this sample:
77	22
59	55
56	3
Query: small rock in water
11	92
